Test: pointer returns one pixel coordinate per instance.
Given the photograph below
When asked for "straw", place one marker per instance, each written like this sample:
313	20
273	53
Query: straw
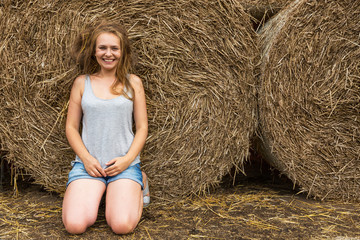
196	59
309	96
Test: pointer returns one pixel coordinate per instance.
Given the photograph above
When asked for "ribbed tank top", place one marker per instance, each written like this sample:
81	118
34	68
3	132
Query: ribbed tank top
106	126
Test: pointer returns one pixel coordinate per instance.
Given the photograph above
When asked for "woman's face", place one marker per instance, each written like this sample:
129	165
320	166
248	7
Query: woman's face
107	50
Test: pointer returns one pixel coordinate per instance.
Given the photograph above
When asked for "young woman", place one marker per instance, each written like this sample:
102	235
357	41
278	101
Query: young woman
107	100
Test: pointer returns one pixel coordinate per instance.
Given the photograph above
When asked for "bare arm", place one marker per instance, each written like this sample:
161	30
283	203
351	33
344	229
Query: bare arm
74	115
140	116
141	125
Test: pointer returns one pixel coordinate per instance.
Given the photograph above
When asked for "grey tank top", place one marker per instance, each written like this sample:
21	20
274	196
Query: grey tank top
106	126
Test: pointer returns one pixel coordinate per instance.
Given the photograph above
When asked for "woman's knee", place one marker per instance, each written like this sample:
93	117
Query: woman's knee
123	225
75	227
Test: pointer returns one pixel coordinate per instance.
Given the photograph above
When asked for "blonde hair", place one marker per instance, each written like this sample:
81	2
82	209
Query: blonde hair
84	54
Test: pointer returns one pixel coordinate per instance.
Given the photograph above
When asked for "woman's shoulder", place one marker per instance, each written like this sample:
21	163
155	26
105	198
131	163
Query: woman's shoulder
135	81
80	79
79	83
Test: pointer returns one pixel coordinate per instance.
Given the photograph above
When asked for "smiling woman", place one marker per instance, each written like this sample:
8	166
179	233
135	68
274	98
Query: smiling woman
107	151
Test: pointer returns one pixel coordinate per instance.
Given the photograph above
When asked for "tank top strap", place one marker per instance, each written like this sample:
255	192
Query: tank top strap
87	80
125	89
87	87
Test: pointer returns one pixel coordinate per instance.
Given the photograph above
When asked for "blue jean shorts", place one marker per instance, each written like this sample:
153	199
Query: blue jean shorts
132	172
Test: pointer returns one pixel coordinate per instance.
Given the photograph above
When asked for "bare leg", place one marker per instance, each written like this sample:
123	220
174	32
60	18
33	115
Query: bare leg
81	203
124	202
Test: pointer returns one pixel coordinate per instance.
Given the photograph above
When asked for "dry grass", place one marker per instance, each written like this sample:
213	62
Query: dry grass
196	59
202	94
262	10
309	98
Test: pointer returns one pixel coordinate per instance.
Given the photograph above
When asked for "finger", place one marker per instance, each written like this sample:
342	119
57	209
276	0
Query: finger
102	172
99	171
110	162
112	171
94	173
109	170
112	174
90	172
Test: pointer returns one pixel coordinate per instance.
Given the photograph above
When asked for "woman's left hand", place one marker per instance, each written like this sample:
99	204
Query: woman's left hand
116	166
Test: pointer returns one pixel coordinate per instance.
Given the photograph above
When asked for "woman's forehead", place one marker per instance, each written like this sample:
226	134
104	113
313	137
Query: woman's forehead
107	38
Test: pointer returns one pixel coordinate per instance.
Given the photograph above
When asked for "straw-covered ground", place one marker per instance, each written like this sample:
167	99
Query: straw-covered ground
257	208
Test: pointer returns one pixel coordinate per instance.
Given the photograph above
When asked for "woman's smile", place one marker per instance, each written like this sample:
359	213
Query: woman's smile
107	61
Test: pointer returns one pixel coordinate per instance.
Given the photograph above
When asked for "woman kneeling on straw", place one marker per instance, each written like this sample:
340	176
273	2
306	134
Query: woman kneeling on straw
107	99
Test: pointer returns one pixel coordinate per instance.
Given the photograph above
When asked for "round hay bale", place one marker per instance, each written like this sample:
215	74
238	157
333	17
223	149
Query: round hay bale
196	60
201	90
35	81
309	96
262	10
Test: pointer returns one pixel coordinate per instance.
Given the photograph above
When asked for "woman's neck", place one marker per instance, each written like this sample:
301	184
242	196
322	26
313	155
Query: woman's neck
106	75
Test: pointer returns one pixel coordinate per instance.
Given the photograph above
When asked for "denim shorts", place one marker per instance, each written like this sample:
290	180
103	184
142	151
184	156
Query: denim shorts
132	172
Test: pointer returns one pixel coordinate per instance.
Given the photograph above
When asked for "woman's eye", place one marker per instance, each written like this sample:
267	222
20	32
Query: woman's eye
102	48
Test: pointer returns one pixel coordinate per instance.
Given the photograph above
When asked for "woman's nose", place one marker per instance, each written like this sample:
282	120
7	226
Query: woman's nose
108	52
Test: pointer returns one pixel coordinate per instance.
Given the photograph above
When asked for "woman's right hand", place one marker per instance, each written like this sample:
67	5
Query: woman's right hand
93	167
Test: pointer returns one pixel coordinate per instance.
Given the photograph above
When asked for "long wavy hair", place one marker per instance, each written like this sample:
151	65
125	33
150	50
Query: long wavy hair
84	54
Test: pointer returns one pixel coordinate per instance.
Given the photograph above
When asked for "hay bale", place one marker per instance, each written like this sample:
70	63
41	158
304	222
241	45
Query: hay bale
201	94
262	10
35	81
309	96
195	57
